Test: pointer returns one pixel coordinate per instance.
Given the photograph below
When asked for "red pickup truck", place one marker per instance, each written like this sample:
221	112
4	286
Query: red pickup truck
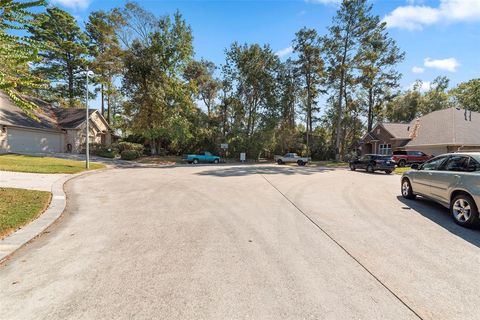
402	158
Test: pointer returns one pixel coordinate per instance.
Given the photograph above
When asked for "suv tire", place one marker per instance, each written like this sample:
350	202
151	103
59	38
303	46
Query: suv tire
402	163
407	191
464	211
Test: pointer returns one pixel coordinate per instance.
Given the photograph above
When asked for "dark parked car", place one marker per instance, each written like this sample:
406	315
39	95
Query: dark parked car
404	157
373	162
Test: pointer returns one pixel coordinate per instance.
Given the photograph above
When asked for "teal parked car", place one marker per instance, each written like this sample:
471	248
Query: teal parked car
205	157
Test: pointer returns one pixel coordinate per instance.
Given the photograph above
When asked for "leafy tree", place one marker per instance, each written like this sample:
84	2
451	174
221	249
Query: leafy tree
288	88
16	51
136	23
104	46
437	97
159	106
309	68
201	74
250	72
467	95
352	20
66	59
377	57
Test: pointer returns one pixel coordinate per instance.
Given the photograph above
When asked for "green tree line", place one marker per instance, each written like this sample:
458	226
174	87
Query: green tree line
336	85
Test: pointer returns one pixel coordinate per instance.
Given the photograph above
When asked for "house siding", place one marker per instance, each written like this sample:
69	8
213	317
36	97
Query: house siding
382	137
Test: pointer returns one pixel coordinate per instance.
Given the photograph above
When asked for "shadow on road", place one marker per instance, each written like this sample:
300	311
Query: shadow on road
245	170
441	216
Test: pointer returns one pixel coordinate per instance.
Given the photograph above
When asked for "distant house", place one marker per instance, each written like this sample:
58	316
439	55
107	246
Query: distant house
439	132
57	129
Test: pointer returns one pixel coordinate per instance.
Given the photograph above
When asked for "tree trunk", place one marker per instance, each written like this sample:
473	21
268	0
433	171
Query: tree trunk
70	87
108	107
370	110
339	118
102	99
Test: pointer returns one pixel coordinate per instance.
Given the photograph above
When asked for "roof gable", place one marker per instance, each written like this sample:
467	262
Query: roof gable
448	126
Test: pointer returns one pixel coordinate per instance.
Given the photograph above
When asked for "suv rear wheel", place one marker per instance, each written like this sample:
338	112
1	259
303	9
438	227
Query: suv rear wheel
464	211
402	163
370	169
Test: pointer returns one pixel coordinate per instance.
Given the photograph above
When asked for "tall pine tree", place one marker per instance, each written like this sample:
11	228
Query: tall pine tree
65	61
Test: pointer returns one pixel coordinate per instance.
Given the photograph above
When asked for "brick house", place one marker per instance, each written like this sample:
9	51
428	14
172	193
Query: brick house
438	132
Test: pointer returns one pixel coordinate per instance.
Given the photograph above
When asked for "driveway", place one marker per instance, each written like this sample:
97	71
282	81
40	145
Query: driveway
237	242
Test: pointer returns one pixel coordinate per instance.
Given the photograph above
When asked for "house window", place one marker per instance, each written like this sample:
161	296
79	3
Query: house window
385	149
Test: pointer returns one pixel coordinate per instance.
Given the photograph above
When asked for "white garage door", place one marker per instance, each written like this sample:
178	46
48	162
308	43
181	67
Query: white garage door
26	141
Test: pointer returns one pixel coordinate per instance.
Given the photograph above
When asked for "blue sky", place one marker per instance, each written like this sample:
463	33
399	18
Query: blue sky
440	37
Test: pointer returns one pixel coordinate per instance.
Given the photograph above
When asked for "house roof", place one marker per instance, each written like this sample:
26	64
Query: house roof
12	115
70	118
449	126
398	130
50	117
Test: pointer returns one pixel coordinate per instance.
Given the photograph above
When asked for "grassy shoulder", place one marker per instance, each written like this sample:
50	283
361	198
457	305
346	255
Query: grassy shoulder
20	206
34	164
401	170
330	164
160	160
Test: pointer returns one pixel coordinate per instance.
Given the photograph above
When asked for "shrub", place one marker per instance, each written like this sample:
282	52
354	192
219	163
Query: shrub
93	147
107	153
129	154
129	146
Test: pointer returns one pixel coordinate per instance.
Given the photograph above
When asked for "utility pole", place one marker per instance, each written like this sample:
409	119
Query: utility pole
87	146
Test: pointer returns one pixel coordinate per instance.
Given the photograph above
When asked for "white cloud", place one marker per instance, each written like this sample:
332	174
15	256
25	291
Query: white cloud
415	17
73	4
284	52
426	85
418	69
449	64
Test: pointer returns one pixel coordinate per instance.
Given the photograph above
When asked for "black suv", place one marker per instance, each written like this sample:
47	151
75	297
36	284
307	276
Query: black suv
373	162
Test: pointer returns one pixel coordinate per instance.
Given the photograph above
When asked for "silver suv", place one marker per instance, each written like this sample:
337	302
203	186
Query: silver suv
452	180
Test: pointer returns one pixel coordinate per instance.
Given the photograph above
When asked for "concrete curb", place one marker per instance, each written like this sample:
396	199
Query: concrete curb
55	209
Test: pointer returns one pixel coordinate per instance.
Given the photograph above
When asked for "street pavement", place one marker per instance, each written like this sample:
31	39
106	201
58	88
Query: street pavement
244	242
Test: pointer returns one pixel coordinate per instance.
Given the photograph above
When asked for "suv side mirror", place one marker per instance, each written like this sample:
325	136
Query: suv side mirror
415	166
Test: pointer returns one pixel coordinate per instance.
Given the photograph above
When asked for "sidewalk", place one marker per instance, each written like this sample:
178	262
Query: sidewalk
31	181
34	181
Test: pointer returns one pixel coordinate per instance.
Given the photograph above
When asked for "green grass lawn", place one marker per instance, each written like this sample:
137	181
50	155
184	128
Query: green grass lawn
400	170
19	206
23	163
330	164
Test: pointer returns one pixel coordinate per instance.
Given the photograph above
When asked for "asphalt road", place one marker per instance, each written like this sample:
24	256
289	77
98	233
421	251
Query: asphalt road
244	242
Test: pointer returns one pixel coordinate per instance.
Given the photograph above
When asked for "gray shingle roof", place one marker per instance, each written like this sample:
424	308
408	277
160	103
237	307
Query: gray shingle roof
70	118
398	130
12	115
50	117
449	126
